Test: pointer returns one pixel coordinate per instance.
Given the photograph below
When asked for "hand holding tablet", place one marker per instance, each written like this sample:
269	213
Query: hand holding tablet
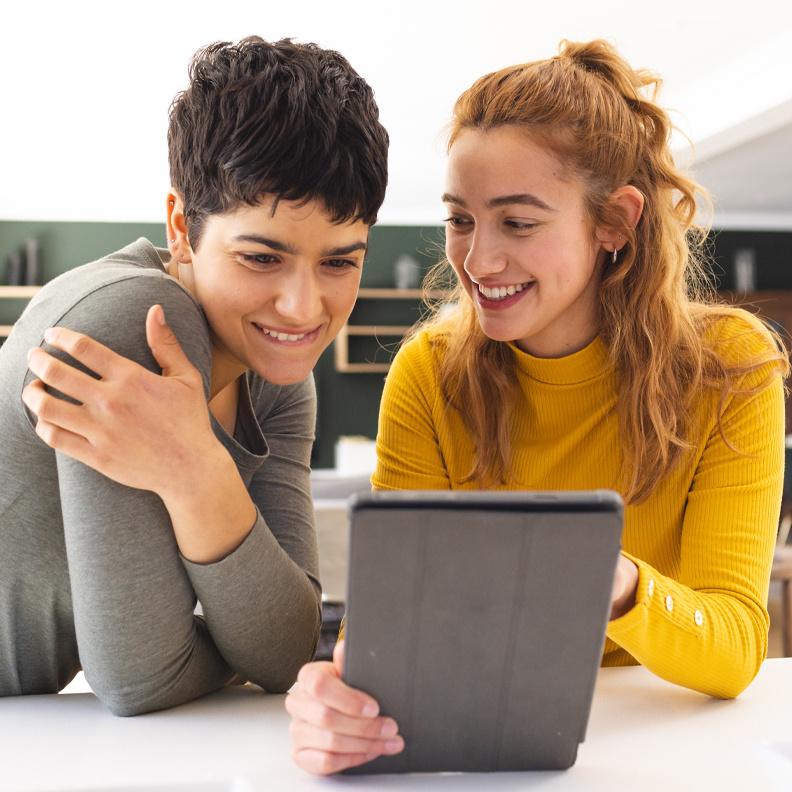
351	731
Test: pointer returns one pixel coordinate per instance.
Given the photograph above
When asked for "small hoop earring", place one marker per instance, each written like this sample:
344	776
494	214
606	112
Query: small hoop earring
613	257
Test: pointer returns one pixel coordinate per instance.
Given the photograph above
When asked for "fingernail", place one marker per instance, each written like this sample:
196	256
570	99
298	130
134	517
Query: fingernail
370	711
389	729
161	316
394	746
48	334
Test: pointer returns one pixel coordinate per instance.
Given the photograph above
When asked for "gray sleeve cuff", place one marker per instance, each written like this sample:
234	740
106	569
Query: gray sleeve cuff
262	610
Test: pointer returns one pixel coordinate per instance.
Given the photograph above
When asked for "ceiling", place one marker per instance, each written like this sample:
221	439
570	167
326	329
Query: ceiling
749	176
86	91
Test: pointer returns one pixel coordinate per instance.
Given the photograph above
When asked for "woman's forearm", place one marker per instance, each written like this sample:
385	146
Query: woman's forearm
209	506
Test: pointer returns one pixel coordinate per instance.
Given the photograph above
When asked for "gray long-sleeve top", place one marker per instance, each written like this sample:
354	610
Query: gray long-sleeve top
90	573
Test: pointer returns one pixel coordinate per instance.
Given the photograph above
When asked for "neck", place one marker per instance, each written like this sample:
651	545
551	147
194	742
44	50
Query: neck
225	370
224	406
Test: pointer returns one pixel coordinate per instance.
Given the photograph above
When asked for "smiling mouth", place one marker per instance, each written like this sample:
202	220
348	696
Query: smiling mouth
288	337
502	292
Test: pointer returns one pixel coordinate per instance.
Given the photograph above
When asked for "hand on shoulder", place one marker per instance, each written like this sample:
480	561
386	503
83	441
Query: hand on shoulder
128	423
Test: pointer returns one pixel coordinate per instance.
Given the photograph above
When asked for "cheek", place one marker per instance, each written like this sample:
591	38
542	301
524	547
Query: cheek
589	267
572	264
343	300
224	307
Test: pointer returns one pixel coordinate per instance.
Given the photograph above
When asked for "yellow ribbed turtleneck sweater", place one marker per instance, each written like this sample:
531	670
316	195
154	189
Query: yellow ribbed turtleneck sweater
703	541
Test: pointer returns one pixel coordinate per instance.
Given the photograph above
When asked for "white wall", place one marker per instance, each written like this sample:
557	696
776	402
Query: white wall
86	85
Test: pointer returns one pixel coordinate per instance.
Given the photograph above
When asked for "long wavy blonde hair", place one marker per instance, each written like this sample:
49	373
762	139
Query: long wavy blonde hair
600	118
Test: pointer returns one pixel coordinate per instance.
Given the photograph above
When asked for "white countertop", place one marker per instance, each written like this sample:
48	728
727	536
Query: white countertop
644	734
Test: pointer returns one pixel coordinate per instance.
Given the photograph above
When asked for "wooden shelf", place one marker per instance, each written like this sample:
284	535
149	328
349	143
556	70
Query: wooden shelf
342	362
341	342
18	292
375	330
15	293
399	294
363	368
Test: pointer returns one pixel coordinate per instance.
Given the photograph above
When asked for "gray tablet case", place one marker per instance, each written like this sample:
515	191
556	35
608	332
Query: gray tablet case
477	620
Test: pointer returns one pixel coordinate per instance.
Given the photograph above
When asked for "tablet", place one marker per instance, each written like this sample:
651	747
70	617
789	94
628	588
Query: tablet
477	620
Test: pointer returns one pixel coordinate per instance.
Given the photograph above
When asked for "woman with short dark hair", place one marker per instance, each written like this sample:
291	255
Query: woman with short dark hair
157	407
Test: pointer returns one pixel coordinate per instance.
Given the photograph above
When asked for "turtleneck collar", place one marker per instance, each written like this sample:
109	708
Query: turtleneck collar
590	362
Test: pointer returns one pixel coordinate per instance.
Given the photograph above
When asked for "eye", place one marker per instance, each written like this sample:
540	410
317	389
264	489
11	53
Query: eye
340	265
259	260
521	225
455	221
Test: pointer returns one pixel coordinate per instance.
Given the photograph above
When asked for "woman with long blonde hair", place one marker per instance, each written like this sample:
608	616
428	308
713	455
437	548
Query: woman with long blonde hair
586	352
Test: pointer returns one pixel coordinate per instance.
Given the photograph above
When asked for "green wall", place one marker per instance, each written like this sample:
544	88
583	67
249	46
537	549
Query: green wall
348	403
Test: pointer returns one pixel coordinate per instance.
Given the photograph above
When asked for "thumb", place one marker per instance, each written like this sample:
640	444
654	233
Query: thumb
164	345
338	657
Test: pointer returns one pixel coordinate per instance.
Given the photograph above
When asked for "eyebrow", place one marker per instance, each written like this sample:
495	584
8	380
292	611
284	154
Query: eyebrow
291	250
525	199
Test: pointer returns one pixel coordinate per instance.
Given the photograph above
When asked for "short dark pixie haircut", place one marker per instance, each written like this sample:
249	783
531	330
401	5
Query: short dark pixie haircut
289	120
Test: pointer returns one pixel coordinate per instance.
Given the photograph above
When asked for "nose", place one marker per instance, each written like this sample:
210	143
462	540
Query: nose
486	255
299	300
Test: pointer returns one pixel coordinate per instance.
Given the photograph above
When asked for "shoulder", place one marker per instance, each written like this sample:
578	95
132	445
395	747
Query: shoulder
421	355
414	376
139	258
117	287
108	300
745	356
739	337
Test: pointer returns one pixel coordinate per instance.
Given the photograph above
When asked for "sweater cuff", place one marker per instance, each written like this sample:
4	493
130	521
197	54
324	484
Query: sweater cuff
657	597
220	577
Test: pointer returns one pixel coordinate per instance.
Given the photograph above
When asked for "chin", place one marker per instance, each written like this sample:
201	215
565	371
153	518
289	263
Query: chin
497	335
286	375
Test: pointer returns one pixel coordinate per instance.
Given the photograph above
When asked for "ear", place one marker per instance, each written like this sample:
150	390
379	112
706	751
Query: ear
178	244
629	202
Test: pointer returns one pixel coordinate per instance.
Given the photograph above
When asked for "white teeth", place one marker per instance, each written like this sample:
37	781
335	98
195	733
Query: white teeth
499	292
283	336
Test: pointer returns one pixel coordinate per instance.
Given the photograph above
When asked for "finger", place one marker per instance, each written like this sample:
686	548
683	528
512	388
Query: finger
60	375
322	681
68	443
323	763
93	355
305	708
55	418
338	656
625	584
306	735
164	345
49	408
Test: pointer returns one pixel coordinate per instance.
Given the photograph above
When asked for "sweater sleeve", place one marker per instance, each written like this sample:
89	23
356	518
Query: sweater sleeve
262	603
708	629
141	645
409	456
